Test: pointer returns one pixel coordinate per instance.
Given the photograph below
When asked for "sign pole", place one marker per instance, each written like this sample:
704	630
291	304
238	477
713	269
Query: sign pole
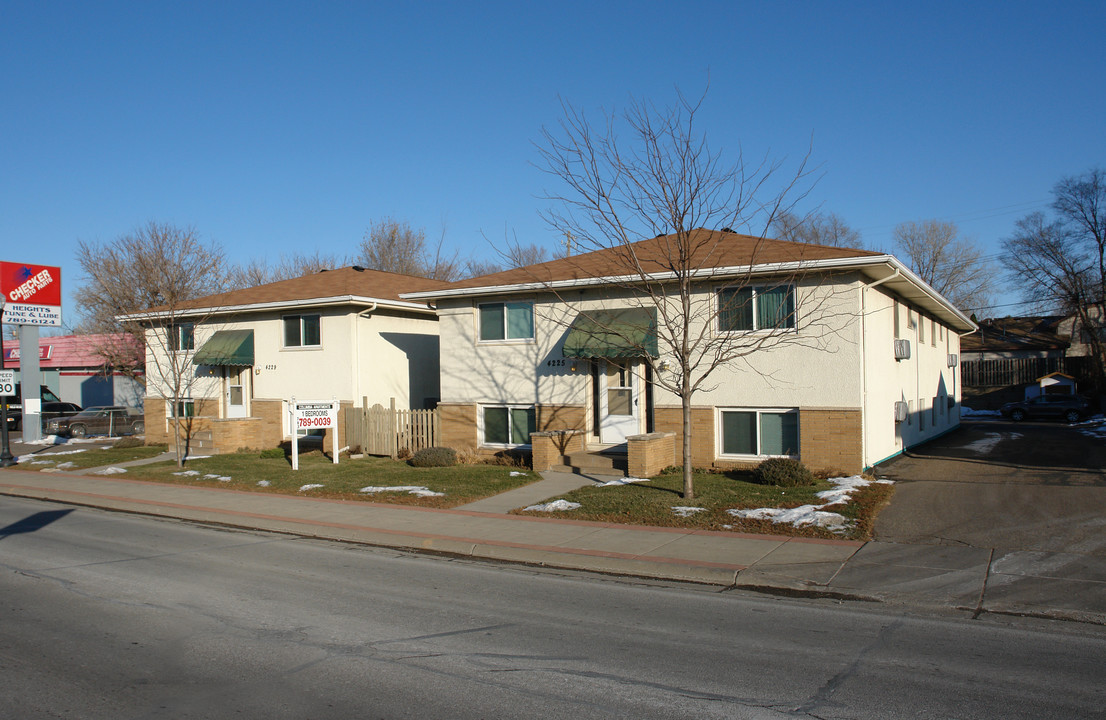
6	458
334	429
295	435
31	381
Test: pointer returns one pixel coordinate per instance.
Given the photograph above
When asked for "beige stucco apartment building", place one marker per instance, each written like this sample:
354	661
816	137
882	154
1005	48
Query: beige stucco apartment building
848	356
342	335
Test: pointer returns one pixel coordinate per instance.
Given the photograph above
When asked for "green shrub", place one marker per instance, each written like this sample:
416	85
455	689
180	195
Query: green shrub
273	454
783	472
434	457
130	441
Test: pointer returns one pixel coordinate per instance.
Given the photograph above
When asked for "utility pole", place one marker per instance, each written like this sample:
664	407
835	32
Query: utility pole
6	458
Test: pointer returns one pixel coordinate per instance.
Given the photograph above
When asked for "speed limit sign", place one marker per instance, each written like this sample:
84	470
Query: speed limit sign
7	382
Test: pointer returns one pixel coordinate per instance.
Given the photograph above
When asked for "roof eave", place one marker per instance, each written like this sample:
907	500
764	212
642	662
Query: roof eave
337	300
922	294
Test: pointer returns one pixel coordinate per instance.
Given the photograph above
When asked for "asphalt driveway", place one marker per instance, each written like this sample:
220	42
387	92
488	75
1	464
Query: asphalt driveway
1002	485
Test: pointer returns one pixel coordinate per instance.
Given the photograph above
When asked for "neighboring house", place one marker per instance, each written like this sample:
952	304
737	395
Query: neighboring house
1016	338
73	369
340	334
560	346
1079	335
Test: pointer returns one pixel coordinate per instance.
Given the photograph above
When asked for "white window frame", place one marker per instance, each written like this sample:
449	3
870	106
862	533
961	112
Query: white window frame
506	340
756	291
178	402
508	407
301	346
720	452
175	337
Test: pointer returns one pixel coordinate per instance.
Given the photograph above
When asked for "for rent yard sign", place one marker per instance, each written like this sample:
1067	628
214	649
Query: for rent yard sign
313	415
32	294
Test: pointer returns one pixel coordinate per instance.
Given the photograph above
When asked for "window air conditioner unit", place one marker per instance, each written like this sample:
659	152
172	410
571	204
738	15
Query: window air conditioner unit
954	360
901	411
902	349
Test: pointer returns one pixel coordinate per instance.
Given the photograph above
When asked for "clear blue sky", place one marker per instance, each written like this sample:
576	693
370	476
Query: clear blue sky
275	127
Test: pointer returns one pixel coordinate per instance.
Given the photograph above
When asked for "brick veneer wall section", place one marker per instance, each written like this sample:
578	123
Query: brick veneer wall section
549	447
561	417
831	439
669	419
458	426
159	426
648	454
262	430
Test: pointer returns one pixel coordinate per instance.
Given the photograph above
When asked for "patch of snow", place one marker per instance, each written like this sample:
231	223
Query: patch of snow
418	490
845	488
799	517
622	481
220	478
686	511
967	412
515	473
553	506
187	472
110	471
985	445
196	457
57	440
264	483
59	467
311	486
813	514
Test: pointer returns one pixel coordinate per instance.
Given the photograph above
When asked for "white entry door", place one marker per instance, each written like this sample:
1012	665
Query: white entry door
618	401
236	392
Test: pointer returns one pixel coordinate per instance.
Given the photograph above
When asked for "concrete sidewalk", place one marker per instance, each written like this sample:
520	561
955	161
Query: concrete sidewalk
965	579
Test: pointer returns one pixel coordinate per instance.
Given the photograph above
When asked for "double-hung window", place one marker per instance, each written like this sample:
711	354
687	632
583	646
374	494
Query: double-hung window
182	337
302	331
508	425
184	408
756	308
759	433
507	321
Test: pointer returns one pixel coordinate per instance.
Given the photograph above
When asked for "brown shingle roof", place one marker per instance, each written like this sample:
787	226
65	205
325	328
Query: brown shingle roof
343	282
709	249
1015	333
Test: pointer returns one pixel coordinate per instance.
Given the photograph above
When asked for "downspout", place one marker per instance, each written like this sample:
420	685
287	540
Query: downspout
864	364
357	351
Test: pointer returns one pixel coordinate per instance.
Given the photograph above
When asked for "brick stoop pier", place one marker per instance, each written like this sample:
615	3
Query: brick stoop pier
565	451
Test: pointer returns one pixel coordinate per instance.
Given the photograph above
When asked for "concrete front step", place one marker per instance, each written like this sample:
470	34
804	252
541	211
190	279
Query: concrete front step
595	463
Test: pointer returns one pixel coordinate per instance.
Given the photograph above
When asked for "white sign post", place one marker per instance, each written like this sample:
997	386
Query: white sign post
310	416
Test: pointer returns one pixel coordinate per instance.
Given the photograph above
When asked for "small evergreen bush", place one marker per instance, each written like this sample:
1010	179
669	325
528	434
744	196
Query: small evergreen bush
783	472
272	454
434	457
130	441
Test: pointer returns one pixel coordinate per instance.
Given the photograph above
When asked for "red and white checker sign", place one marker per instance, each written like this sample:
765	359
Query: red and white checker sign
32	293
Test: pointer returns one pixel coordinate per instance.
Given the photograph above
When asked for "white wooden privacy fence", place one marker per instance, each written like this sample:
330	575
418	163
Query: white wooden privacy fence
383	430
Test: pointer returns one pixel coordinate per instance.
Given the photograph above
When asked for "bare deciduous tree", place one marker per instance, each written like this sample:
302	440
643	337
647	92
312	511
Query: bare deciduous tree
952	265
1061	263
667	184
816	229
514	256
137	286
257	272
394	246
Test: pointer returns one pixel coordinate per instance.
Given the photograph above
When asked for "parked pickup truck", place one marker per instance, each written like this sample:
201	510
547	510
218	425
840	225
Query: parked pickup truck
102	420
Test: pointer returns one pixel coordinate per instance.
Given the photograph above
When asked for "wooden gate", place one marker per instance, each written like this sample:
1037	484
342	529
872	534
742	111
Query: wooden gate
380	430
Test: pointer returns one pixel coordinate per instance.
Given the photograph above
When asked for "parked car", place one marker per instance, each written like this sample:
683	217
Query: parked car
15	404
55	410
1071	408
102	420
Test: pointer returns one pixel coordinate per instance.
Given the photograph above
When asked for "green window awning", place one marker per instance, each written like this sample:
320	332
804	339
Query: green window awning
629	332
226	347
